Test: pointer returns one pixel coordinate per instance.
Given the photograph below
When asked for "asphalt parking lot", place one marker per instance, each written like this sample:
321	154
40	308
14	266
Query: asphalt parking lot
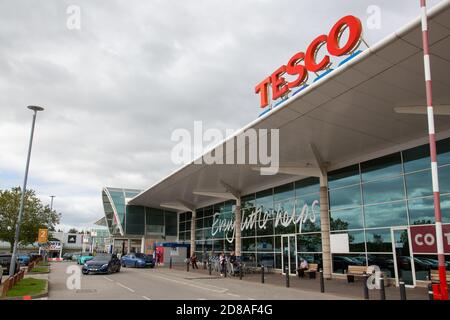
166	284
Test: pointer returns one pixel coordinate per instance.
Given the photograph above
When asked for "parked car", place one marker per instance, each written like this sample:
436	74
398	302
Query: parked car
24	259
5	262
68	256
102	263
138	260
85	257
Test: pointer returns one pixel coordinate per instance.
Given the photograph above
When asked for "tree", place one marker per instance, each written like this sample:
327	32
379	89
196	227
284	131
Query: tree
35	216
73	230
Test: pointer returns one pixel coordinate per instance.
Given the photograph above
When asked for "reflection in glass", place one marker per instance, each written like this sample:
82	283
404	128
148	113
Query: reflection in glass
443	150
379	240
266	259
309	243
342	261
419	184
248	244
283	192
264	244
345	197
346	219
343	177
416	159
384	261
444	179
386	166
421	211
383	190
386	215
307	186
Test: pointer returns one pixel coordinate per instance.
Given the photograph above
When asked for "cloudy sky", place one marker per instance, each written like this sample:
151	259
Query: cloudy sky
116	88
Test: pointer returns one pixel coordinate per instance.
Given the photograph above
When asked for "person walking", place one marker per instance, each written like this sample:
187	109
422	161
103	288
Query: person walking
222	261
194	261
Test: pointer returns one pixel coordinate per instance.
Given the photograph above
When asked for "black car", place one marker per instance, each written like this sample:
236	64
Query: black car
67	256
102	263
5	261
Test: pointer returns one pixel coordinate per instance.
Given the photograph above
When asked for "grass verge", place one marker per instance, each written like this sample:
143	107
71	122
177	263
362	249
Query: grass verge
40	270
28	287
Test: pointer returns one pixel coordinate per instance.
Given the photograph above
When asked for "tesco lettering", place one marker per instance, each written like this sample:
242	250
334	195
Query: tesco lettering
303	62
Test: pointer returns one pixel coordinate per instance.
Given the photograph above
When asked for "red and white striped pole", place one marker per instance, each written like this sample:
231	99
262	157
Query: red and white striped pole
434	169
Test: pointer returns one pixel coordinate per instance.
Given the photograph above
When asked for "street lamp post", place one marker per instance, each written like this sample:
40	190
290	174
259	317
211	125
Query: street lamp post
22	198
51	203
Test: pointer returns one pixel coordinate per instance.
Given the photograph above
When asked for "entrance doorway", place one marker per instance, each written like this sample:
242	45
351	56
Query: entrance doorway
402	256
289	253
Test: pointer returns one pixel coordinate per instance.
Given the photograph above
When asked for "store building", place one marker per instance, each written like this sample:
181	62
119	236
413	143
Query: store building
354	181
135	228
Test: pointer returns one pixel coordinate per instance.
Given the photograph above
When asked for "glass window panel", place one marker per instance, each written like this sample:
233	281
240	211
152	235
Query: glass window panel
249	259
280	229
283	192
182	217
379	240
218	245
208	247
207	233
199	213
346	219
277	244
309	243
416	159
384	261
135	220
188	225
356	240
188	235
171	223
199	235
208	211
345	197
248	200
419	184
188	216
264	200
278	260
198	224
229	246
208	222
266	259
342	261
307	186
445	208
265	244
383	190
444	179
267	231
421	211
311	213
248	244
381	167
443	150
344	177
386	215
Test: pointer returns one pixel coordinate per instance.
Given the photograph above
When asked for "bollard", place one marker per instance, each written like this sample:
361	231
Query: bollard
382	289
322	283
204	265
402	291
170	263
187	266
209	267
262	274
287	277
240	271
365	287
430	292
225	269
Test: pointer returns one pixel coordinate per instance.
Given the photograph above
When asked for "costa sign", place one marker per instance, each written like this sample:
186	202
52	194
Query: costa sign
424	239
301	63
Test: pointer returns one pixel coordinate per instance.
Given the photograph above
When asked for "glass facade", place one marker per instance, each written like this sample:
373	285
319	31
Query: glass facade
367	200
371	204
136	220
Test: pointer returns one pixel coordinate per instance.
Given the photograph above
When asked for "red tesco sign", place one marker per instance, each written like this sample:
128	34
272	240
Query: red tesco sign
301	63
424	239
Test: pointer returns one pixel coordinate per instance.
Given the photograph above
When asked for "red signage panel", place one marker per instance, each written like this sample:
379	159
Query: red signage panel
424	239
